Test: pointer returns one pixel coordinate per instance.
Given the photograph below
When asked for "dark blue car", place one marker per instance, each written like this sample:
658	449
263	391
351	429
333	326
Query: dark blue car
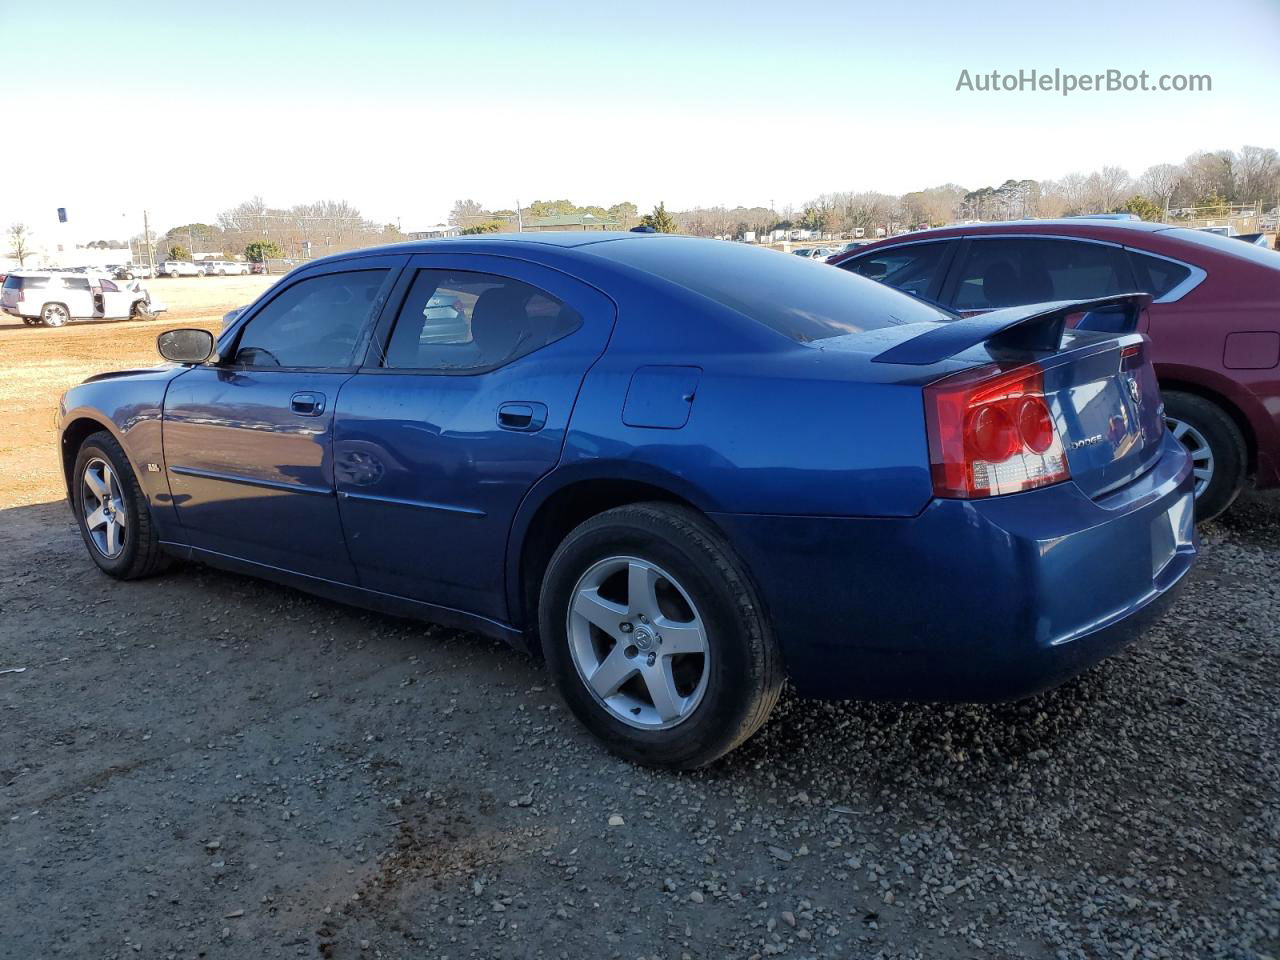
681	470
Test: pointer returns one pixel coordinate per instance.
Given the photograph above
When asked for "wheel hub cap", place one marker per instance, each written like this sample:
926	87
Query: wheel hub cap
101	501
638	643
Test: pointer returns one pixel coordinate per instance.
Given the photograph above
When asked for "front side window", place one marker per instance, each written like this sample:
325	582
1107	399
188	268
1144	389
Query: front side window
910	268
1014	271
316	322
463	321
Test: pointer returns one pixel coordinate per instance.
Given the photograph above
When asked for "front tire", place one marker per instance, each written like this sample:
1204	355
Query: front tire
112	512
655	637
1219	456
142	311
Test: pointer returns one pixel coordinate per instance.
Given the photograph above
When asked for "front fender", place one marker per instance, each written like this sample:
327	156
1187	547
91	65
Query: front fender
130	407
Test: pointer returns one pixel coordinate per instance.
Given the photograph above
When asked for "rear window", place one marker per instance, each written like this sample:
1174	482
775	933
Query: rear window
25	283
802	300
1157	276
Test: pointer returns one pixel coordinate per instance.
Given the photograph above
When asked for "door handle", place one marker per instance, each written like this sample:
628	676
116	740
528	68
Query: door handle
523	417
307	403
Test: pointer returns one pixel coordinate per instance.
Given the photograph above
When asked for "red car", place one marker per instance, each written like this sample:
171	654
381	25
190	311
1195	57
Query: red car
1214	319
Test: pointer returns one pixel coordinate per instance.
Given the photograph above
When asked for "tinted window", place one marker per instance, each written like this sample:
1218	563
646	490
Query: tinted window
76	283
457	320
803	301
25	283
109	287
314	323
1155	275
910	268
1009	272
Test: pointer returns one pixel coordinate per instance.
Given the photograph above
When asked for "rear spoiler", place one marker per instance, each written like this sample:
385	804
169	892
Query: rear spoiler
1037	327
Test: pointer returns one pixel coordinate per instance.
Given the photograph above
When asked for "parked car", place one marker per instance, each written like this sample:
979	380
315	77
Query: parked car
180	268
1214	320
679	469
813	253
132	271
54	298
222	268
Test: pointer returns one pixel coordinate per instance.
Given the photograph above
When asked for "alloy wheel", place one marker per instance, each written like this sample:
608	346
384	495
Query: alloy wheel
1198	447
56	315
102	505
638	642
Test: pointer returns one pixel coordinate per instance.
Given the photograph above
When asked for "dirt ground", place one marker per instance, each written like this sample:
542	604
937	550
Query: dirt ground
201	765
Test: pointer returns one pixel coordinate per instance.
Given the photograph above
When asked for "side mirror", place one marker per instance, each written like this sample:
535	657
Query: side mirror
188	345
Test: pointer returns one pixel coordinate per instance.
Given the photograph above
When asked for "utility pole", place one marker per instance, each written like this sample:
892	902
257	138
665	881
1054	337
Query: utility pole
146	240
519	217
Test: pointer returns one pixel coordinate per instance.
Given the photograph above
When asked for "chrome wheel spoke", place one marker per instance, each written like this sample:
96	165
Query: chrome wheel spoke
113	538
602	613
613	672
642	589
96	483
96	519
680	638
661	684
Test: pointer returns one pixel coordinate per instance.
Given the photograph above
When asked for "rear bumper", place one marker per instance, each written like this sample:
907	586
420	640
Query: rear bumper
971	600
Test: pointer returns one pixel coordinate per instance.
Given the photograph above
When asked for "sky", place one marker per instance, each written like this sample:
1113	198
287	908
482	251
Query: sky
403	107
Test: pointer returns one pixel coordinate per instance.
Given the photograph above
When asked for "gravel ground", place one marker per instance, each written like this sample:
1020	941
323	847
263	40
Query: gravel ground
202	765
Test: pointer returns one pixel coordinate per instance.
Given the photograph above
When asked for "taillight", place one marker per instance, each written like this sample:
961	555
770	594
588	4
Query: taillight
992	433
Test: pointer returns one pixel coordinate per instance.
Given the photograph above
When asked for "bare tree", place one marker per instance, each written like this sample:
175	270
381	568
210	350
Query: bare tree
1257	173
1209	175
466	212
1106	189
1158	184
19	242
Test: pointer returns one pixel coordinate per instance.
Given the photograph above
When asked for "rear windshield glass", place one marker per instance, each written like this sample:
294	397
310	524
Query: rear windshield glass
1228	245
20	283
797	297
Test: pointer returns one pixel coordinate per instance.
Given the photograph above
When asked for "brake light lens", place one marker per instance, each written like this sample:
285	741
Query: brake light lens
991	433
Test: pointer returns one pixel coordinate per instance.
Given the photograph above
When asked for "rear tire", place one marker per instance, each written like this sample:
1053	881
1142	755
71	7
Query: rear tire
55	315
102	478
1220	457
671	708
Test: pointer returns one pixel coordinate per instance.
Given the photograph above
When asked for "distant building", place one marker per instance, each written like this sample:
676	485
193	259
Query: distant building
572	221
434	233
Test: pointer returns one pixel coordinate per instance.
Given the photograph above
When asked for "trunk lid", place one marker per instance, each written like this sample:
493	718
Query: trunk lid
1100	387
1107	405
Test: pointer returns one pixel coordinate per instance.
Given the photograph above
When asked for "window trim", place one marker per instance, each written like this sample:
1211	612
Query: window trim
230	338
1179	290
520	269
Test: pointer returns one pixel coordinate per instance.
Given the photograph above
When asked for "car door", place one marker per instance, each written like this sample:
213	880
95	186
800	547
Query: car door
915	268
77	294
248	440
462	405
113	300
1012	271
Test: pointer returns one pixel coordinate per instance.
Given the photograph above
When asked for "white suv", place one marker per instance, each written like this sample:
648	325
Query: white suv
180	268
222	268
53	299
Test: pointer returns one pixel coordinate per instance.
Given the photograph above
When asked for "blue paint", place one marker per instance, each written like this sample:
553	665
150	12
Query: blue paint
414	491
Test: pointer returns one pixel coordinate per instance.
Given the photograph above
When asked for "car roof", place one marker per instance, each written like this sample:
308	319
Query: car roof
485	242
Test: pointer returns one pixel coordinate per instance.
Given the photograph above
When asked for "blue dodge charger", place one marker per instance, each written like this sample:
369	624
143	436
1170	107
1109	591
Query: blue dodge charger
680	470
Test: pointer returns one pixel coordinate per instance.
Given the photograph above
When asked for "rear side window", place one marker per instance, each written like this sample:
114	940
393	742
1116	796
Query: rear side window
800	300
1012	271
76	283
911	268
316	322
1155	275
460	321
